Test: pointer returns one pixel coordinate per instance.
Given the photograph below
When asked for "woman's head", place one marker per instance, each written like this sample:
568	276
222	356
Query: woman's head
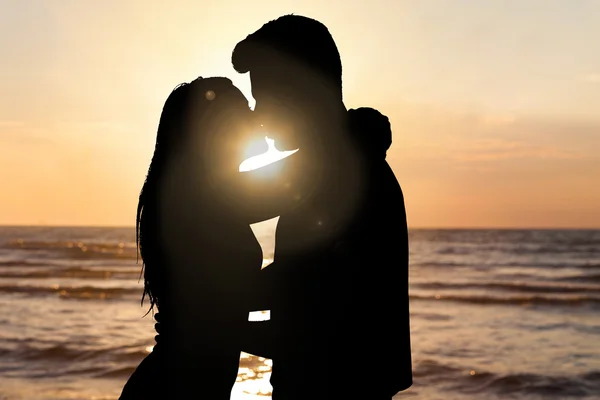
200	118
206	121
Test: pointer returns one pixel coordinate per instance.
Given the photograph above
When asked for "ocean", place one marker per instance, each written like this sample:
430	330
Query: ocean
495	314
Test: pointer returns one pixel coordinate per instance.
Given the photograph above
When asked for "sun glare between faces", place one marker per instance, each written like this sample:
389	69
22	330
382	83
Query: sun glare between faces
272	155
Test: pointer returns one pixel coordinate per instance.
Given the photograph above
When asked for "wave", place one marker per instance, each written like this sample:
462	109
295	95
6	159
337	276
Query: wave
585	264
69	360
120	362
70	292
26	263
78	250
466	263
519	248
72	359
592	278
548	386
123	372
563	297
524	384
514	300
511	286
72	272
449	264
40	349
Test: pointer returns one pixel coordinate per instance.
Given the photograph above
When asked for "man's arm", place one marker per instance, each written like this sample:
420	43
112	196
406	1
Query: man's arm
260	336
268	288
259	339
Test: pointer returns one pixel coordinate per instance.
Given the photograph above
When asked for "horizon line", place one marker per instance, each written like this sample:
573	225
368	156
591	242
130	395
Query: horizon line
410	227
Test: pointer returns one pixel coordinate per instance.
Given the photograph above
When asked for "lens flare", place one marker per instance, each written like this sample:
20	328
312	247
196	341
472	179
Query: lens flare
272	155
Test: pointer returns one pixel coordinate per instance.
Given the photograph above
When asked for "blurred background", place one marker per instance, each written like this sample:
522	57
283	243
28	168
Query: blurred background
495	109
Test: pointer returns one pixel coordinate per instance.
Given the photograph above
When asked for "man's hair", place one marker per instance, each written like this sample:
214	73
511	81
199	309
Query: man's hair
299	39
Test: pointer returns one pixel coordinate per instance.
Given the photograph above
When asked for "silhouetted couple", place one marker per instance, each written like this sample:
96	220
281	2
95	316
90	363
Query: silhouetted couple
338	286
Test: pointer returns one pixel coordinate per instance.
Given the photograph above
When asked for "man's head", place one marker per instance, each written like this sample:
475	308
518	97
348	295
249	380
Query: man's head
296	73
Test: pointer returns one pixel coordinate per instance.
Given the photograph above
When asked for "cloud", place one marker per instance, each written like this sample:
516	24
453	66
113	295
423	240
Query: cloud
498	119
593	78
11	124
493	149
21	134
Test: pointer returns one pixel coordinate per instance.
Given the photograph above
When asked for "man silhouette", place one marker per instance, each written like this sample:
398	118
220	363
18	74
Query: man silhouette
340	276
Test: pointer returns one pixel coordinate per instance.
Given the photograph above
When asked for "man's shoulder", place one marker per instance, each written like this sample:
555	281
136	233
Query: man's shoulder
388	173
384	186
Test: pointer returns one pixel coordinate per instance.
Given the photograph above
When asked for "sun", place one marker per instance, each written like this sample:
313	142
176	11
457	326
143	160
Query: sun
272	155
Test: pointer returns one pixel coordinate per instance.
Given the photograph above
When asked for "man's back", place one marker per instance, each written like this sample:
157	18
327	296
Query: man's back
370	271
303	244
346	304
376	325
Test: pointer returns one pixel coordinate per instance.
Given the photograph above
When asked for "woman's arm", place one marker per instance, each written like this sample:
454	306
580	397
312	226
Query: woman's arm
259	339
267	289
259	336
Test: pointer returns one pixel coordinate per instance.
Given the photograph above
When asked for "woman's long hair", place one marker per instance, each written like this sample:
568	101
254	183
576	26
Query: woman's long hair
167	139
184	116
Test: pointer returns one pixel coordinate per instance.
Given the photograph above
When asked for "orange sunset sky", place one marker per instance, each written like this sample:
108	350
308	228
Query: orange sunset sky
495	105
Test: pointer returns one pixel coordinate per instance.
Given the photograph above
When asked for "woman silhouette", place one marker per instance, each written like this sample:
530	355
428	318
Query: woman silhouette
200	257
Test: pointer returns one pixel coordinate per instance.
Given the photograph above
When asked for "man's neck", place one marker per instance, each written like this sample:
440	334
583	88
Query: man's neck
331	125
